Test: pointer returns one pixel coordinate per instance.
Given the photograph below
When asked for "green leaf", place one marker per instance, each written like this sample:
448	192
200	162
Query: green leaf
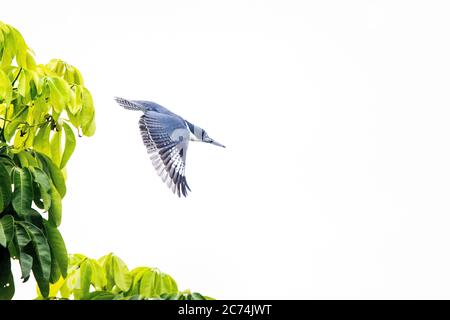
122	276
98	275
5	88
100	295
70	283
55	211
10	129
55	273
55	286
85	278
41	141
168	284
70	143
154	283
7	162
87	114
44	186
90	128
6	277
150	284
171	296
23	192
25	259
6	230
5	187
55	147
24	84
77	100
197	296
136	275
19	118
59	93
74	119
41	257
26	159
106	263
77	77
57	247
22	136
54	172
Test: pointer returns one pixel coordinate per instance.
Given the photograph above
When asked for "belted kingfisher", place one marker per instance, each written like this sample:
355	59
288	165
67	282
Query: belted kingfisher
166	136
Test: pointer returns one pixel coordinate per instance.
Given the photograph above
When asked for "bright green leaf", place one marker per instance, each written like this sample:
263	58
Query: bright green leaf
57	95
55	147
122	276
168	284
150	284
55	210
136	275
85	278
98	275
106	263
87	114
5	88
70	143
70	284
24	84
42	140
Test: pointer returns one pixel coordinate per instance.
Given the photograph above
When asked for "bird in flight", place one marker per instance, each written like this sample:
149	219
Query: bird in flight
166	136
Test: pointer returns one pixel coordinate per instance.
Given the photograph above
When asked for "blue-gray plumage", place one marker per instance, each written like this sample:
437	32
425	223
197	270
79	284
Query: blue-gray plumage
166	136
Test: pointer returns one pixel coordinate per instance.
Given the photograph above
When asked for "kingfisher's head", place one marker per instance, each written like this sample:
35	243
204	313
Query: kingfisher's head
201	135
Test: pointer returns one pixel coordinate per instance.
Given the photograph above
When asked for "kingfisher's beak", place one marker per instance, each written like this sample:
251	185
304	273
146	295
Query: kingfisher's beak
217	144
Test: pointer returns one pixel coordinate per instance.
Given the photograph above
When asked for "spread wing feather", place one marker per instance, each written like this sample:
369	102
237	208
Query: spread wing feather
166	138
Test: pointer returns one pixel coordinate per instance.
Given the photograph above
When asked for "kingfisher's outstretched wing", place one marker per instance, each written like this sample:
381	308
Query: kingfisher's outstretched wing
166	138
128	104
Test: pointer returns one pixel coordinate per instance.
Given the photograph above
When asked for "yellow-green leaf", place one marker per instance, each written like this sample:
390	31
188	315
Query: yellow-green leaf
87	114
41	141
122	276
69	145
55	210
55	147
5	88
24	84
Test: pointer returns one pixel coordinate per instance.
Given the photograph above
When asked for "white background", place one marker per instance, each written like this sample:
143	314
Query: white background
335	181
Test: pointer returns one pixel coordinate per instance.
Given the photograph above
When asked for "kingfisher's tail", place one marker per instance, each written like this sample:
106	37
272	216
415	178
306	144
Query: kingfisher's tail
130	105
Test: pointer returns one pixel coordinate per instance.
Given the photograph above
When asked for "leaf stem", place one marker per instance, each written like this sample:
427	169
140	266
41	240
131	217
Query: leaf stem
29	125
2	137
17	77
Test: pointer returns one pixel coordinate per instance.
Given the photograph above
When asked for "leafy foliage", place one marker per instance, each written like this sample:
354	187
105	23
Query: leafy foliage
108	278
40	108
